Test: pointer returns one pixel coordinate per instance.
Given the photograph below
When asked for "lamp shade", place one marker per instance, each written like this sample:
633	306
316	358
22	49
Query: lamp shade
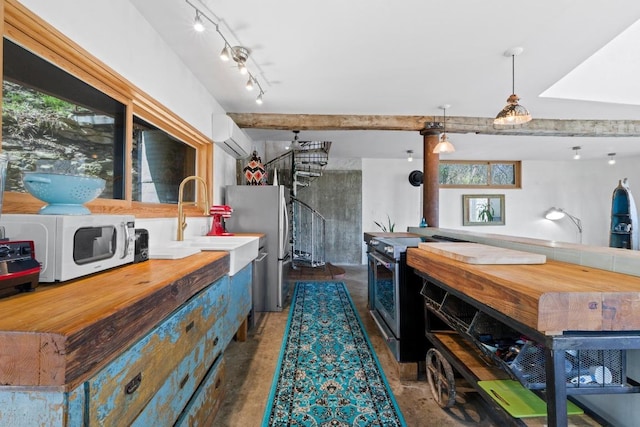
444	146
554	214
513	113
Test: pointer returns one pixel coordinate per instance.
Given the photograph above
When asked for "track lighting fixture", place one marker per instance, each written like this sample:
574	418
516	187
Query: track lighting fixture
225	55
612	158
513	113
576	155
444	146
410	153
239	54
197	22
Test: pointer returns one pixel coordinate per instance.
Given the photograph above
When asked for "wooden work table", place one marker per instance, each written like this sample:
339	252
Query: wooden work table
564	308
551	298
59	335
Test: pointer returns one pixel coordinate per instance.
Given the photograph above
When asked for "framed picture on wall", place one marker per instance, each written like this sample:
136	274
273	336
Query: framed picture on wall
483	209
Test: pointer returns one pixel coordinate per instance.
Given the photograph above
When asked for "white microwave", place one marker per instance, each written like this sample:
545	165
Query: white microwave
71	246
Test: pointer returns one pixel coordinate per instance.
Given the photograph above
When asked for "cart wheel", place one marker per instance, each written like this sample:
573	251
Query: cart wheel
440	378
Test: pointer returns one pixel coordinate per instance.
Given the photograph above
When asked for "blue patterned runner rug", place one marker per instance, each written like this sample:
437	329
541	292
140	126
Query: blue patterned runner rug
328	373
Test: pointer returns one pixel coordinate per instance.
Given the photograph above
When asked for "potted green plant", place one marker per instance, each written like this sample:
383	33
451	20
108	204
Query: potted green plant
384	227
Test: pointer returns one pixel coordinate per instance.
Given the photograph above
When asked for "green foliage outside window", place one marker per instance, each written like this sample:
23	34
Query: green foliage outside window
479	174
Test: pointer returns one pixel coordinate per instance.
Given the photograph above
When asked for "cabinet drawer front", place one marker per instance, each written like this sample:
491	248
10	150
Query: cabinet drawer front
167	404
204	405
118	393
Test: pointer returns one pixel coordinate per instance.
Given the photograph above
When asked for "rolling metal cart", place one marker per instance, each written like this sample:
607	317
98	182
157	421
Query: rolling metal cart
482	344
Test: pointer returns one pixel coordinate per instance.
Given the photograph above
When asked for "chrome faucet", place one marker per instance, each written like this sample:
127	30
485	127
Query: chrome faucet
182	221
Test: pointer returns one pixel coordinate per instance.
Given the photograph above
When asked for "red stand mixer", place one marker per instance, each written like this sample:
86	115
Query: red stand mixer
218	212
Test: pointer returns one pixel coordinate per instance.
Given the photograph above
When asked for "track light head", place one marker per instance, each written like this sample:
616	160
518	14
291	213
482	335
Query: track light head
225	55
249	84
198	25
259	99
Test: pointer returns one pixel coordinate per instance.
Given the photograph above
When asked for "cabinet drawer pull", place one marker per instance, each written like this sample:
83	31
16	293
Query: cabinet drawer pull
215	341
133	385
189	326
218	383
184	381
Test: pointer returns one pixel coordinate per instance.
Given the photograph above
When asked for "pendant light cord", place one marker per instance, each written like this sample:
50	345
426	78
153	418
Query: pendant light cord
445	120
513	74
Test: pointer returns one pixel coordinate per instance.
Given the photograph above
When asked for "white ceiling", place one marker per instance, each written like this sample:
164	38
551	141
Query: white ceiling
581	60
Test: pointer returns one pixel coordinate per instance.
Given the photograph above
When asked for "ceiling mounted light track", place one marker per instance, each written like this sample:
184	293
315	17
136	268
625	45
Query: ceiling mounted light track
513	113
444	146
239	54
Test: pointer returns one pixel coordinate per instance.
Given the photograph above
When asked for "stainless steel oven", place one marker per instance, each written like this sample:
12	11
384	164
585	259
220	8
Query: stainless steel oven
393	300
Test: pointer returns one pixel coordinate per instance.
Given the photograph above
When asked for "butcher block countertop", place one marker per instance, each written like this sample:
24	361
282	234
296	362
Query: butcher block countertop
552	298
61	334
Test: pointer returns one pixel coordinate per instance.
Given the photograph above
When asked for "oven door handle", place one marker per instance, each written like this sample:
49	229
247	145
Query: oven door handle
384	329
382	261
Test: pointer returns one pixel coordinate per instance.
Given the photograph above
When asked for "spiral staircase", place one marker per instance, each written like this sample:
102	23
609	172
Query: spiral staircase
297	169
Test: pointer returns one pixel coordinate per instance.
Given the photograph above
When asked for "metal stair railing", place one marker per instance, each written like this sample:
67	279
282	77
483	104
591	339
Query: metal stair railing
310	159
283	166
298	168
308	235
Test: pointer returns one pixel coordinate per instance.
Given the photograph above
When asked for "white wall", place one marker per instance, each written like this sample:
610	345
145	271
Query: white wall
583	188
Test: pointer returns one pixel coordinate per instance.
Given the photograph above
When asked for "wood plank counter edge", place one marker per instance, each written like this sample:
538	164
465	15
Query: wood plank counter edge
62	334
550	298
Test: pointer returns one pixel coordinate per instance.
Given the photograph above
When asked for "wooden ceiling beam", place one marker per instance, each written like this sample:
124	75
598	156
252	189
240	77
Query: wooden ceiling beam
455	124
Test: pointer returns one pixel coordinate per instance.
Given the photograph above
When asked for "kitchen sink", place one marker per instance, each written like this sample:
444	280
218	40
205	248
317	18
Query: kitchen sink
172	250
242	249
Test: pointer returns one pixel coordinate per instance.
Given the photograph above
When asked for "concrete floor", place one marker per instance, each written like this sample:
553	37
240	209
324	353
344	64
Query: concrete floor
250	366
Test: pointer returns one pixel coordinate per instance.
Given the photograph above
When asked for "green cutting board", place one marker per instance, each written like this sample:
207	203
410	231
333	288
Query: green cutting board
519	401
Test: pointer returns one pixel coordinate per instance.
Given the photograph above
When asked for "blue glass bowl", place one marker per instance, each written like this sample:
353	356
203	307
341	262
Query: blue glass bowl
64	194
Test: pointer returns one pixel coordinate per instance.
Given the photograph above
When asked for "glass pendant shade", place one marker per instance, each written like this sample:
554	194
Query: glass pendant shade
444	146
513	113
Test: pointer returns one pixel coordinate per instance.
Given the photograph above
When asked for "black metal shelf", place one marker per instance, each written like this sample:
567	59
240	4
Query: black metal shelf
549	364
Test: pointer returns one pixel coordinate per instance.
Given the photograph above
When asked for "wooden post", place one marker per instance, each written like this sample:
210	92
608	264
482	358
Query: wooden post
430	171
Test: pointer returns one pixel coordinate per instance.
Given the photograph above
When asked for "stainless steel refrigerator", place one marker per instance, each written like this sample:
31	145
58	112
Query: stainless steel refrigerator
264	209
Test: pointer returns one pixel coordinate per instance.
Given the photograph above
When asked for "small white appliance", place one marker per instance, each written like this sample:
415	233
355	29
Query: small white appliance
71	246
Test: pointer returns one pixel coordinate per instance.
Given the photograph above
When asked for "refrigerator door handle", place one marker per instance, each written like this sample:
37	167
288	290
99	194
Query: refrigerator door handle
285	232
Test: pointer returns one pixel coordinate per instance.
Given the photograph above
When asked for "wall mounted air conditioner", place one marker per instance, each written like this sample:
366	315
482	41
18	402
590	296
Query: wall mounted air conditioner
230	137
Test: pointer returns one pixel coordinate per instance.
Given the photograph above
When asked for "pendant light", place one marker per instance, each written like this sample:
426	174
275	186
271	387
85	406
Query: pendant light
410	155
576	150
444	146
513	113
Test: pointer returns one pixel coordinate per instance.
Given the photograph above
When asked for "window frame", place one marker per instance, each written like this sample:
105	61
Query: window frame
517	165
26	29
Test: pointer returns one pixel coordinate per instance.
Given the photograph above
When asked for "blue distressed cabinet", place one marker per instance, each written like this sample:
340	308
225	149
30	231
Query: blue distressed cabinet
171	375
239	304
